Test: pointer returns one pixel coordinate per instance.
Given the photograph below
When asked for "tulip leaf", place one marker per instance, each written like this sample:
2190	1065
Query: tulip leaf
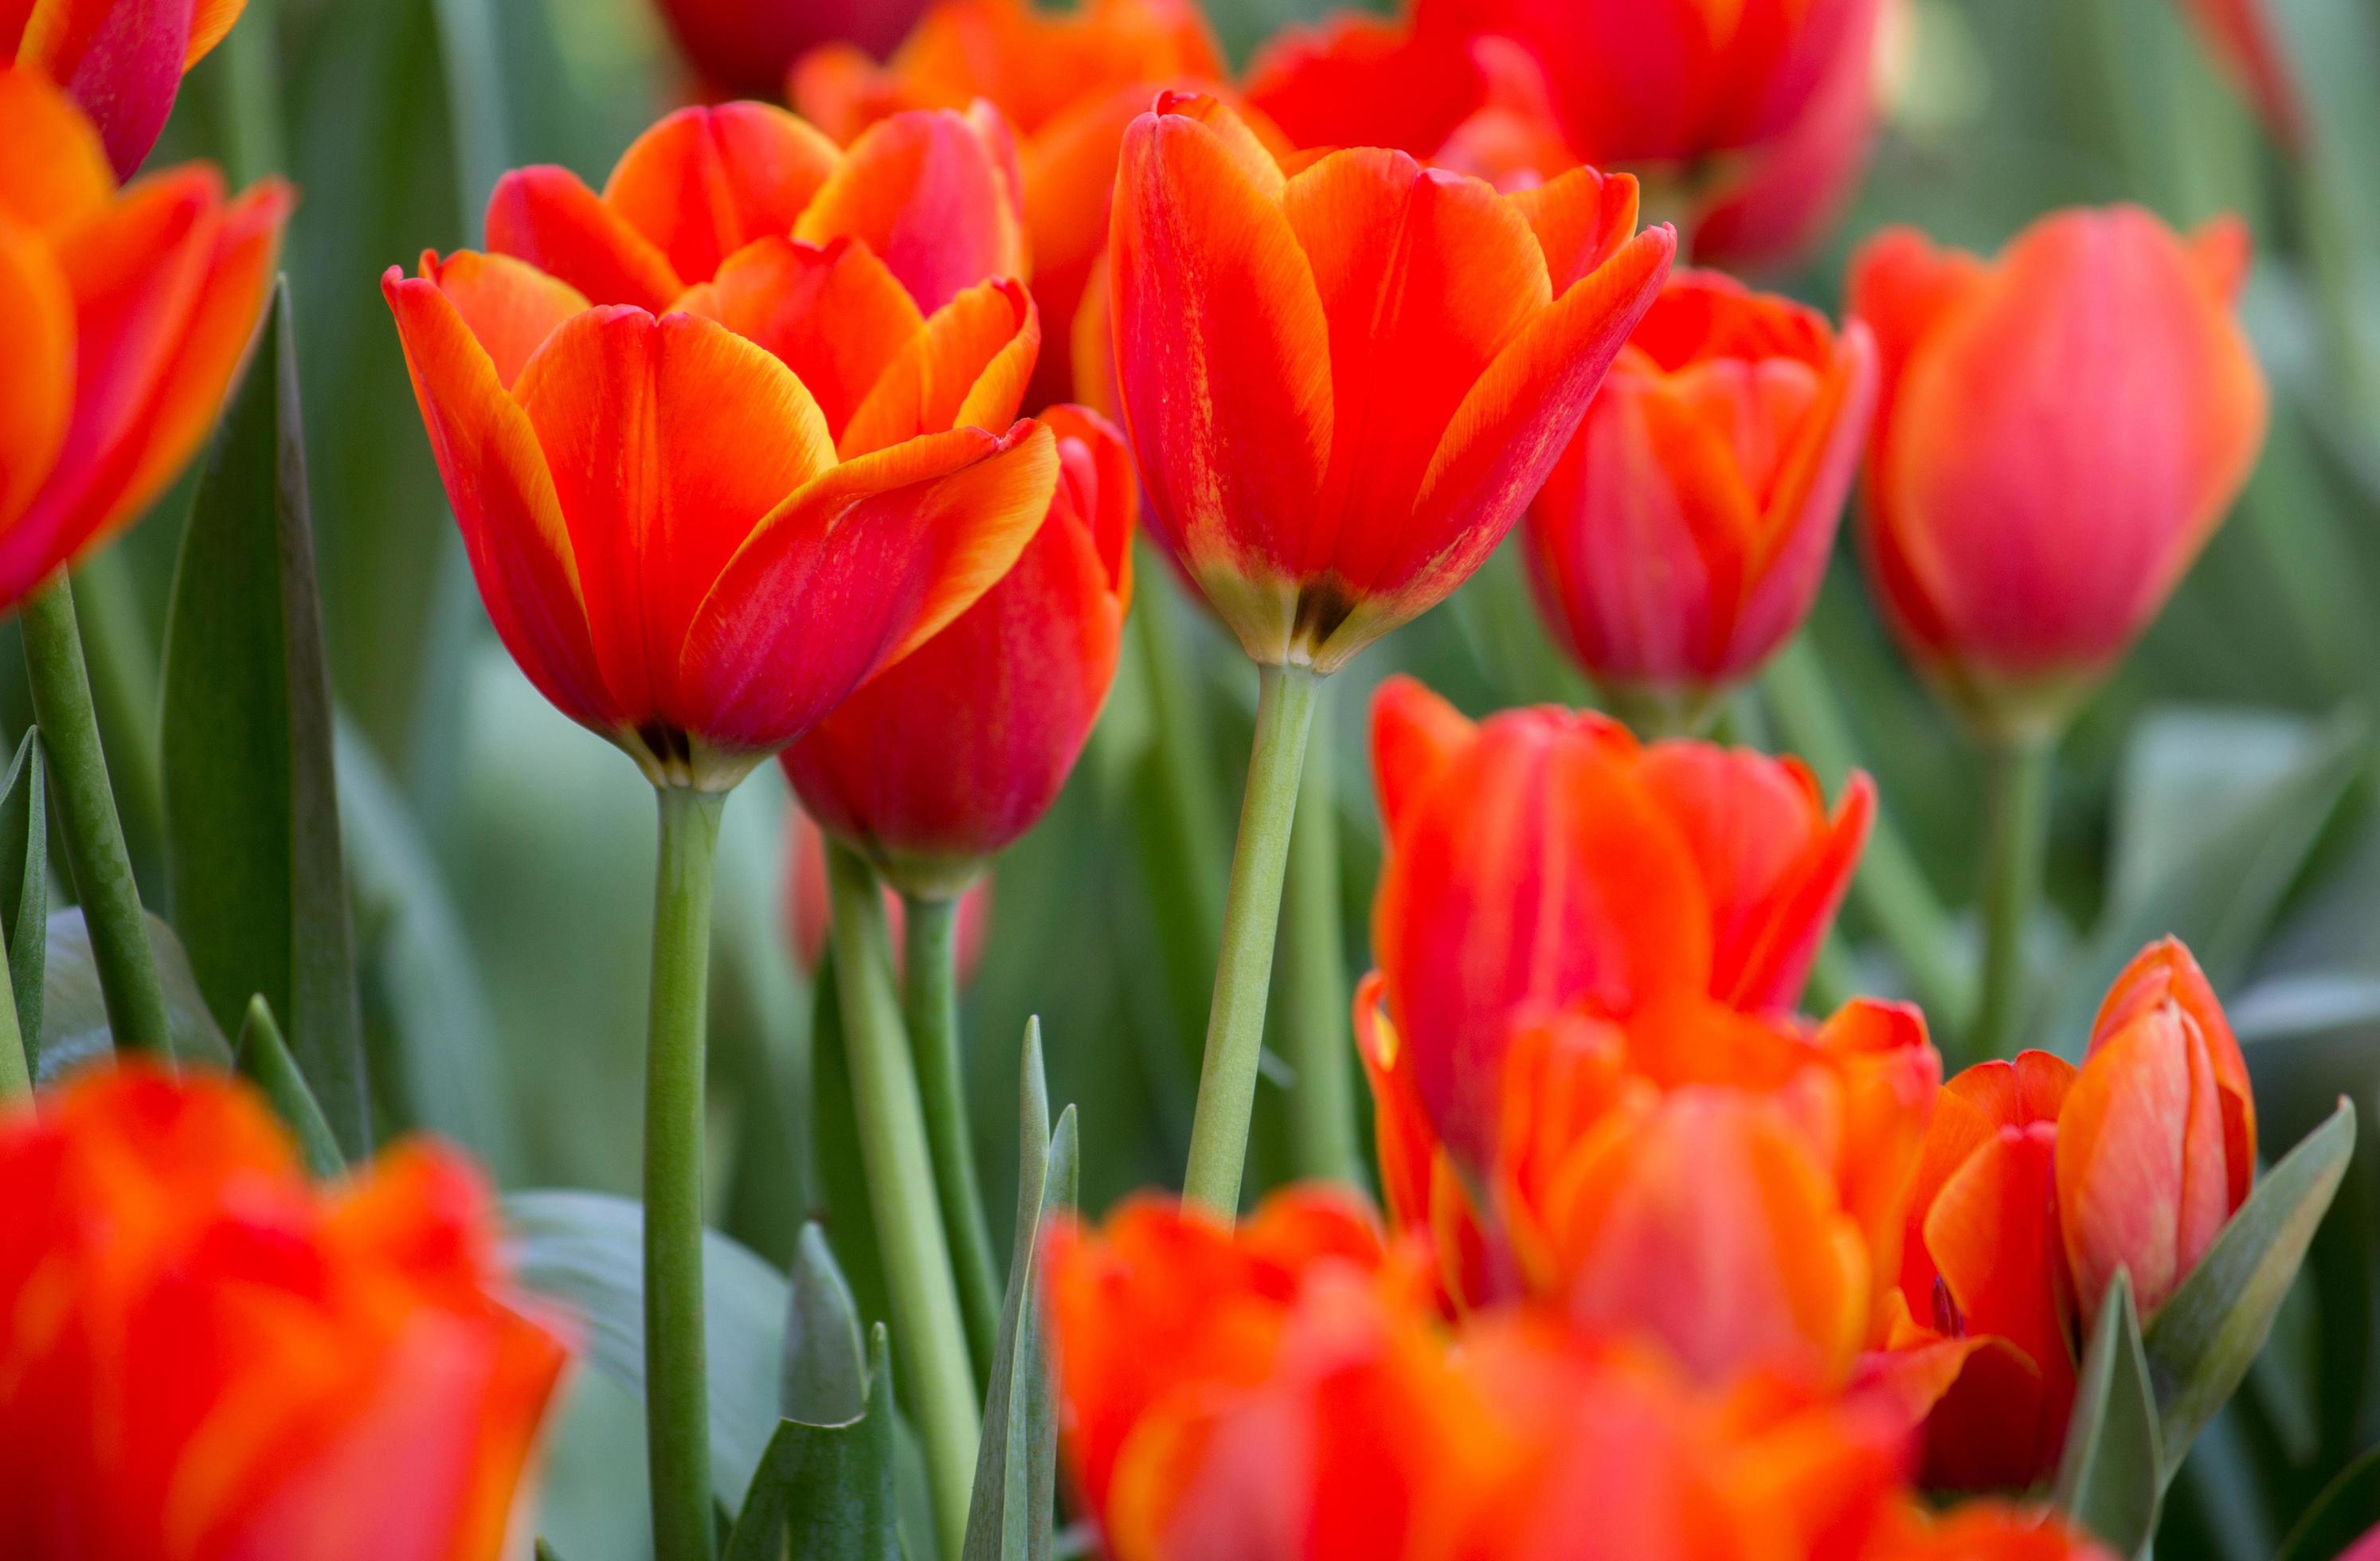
586	1250
2112	1474
2204	1339
74	1016
825	1380
263	1057
258	888
25	881
2348	1509
1011	1516
825	1492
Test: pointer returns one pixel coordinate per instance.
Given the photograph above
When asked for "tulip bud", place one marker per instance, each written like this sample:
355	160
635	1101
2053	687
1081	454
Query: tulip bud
1683	535
2157	1144
2057	433
120	60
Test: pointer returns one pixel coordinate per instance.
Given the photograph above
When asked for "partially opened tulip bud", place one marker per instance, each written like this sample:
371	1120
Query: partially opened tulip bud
2059	431
208	1356
1681	537
162	283
2157	1144
121	60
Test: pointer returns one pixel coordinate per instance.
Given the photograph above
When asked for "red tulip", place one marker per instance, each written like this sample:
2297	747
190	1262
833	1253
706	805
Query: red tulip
1324	465
743	48
942	762
207	1357
698	531
1683	535
809	919
2058	433
121	61
126	316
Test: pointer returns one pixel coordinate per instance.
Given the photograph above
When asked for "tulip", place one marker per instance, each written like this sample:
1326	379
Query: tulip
1681	537
1982	1530
806	913
129	316
743	48
2156	1145
1070	80
208	1356
120	60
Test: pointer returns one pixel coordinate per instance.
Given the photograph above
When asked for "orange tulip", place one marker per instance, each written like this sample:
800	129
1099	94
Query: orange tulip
1982	1530
2058	433
2157	1144
121	60
207	1357
1681	539
809	919
126	316
1070	79
698	531
1323	463
939	764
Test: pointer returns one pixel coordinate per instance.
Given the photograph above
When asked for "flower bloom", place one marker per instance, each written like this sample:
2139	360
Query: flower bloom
743	48
2058	431
699	529
1342	385
1543	858
1070	79
208	1356
120	60
809	918
126	316
943	761
1681	539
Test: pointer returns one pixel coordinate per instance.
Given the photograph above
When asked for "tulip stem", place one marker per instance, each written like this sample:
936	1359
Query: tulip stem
2013	847
95	836
677	1388
1227	1080
892	1146
16	1059
1320	1042
931	999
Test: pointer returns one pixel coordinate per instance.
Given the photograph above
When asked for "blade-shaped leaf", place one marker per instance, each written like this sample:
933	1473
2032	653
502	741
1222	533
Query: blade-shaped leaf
2201	1340
824	1493
263	1057
2348	1509
2112	1472
825	1375
586	1249
25	879
251	803
74	1016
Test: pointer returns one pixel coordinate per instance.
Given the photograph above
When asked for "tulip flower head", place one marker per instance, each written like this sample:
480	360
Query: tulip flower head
943	761
729	438
120	60
130	314
207	1356
1683	535
2058	433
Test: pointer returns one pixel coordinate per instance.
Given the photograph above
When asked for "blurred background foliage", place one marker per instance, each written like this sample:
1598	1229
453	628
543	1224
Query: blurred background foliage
498	856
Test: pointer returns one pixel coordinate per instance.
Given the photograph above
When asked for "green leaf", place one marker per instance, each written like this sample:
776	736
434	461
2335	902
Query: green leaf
263	1057
25	864
546	1552
2348	1509
74	1017
586	1249
824	1491
2112	1472
2203	1339
1011	1515
258	892
825	1378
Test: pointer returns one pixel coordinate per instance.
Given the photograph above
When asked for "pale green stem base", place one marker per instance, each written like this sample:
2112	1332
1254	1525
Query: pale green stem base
94	836
2019	835
1320	1039
1227	1080
678	1414
892	1145
930	965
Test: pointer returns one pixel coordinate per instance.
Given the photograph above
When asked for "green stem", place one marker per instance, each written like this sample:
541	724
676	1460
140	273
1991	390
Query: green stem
930	965
1227	1082
94	836
677	1388
2019	834
1890	887
16	1063
901	1192
1320	1042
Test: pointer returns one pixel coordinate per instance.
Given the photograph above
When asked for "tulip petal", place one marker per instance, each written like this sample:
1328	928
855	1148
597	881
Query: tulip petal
932	198
1416	733
37	393
510	305
548	217
209	20
706	181
122	61
967	369
1582	220
57	172
834	315
1992	1235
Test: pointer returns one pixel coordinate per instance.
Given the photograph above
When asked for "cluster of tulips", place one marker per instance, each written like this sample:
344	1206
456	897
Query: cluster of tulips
823	437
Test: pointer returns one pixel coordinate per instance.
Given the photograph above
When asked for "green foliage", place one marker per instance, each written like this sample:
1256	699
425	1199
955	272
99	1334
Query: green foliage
2112	1474
264	1058
74	1017
825	1493
25	864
